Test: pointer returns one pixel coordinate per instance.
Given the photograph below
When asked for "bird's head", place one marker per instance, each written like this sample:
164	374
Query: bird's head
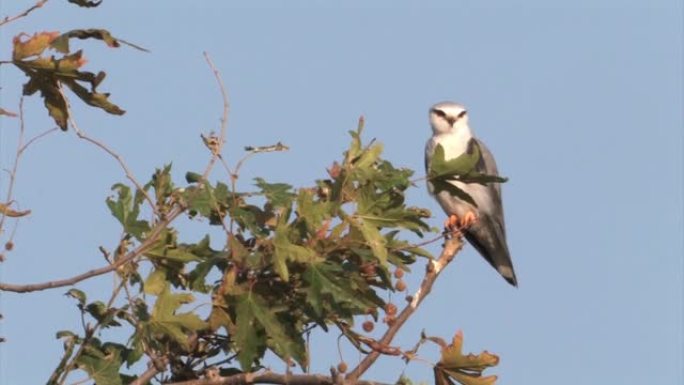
448	117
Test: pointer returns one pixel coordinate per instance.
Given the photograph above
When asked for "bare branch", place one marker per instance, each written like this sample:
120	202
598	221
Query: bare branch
8	19
36	138
224	118
269	378
159	228
451	247
119	159
147	376
13	173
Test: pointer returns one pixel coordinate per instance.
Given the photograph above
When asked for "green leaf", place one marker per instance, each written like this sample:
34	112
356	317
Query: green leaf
78	295
278	194
126	210
93	98
104	315
248	338
373	238
461	165
156	282
193	177
101	366
355	146
287	251
161	183
65	333
86	3
443	173
166	247
253	311
180	254
164	319
369	156
329	285
484	179
312	211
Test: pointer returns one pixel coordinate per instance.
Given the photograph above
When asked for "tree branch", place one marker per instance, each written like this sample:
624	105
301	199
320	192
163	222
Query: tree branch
216	153
147	376
451	247
269	378
35	6
119	159
103	270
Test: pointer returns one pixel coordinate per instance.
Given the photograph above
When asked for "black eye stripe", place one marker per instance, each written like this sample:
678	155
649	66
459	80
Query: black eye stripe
439	113
462	114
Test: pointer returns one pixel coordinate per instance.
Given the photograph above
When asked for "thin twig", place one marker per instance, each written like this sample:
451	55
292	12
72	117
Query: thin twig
147	376
13	173
36	138
224	118
89	333
35	6
447	232
119	159
451	247
82	135
149	241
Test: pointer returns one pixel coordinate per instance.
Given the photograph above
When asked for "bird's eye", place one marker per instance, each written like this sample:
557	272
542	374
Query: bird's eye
462	114
439	113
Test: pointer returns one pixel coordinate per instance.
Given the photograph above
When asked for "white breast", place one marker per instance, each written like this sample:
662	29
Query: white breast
455	144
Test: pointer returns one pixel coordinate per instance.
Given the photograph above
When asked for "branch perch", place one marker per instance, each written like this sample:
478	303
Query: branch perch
451	247
92	273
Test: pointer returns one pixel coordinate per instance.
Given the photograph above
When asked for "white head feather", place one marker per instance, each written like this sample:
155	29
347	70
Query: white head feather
449	117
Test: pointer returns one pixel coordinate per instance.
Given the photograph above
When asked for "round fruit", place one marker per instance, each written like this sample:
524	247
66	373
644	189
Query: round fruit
342	367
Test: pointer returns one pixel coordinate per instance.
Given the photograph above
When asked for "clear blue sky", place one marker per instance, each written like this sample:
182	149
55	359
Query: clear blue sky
581	104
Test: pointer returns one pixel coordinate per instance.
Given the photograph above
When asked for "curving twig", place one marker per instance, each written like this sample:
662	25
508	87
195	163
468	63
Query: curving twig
160	227
8	19
451	247
119	159
216	152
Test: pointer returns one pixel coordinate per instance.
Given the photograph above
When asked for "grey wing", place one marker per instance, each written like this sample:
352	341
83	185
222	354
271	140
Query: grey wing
487	165
429	150
488	234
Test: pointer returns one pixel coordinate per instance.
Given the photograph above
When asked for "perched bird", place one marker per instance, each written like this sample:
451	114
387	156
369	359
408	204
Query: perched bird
483	226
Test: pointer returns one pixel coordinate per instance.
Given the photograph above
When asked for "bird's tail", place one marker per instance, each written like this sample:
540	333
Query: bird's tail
490	242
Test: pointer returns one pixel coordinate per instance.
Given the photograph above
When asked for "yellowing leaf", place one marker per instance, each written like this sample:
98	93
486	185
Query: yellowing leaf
34	46
156	282
465	369
369	156
6	210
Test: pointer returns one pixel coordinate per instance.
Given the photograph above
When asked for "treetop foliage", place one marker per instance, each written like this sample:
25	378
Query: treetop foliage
291	260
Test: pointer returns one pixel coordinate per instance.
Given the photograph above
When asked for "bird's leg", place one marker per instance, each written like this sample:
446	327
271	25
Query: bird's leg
468	219
451	225
451	222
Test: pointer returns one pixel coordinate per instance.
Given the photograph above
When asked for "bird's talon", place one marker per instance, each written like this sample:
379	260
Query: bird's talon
451	224
468	220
